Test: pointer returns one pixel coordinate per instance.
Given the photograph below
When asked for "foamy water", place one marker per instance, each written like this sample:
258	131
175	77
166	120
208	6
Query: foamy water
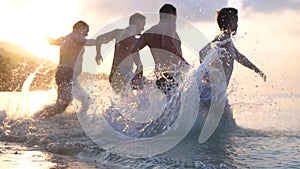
267	136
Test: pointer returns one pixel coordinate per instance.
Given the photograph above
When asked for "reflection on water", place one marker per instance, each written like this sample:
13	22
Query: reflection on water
274	143
15	156
270	113
270	140
25	104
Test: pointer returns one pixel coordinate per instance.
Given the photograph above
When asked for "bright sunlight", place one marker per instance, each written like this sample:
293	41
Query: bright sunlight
28	22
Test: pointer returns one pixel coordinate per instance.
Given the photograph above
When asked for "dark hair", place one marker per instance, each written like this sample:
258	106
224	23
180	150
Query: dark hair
167	9
136	16
79	25
224	16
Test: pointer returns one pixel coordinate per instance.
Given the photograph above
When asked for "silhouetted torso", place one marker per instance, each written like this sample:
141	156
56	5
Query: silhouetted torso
165	46
229	57
70	49
122	55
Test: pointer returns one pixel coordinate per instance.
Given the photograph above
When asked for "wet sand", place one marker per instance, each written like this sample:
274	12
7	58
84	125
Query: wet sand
14	156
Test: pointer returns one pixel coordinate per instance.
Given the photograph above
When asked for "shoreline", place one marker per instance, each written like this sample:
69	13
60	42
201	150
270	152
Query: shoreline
14	155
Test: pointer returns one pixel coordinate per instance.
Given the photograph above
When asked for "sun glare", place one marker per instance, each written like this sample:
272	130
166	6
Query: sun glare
28	22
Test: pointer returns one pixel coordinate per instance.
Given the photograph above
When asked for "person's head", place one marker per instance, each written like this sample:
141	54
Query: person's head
227	19
139	21
168	11
81	27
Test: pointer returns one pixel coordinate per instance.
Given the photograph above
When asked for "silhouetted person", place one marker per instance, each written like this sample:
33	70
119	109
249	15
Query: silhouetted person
227	19
121	73
71	47
165	46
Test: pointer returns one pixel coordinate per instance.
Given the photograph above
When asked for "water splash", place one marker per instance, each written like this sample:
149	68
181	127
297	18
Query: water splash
18	105
23	108
217	93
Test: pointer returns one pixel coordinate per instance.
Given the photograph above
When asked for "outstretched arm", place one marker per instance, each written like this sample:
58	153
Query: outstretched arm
56	42
59	41
245	62
90	42
103	39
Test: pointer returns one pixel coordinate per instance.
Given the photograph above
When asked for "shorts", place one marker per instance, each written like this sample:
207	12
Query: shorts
63	75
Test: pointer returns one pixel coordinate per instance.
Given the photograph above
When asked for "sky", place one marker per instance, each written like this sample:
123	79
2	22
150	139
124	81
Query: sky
268	33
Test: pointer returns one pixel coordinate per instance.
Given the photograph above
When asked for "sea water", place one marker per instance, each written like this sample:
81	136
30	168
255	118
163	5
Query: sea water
267	136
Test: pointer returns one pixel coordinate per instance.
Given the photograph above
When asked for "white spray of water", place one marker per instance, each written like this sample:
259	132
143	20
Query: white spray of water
21	99
23	108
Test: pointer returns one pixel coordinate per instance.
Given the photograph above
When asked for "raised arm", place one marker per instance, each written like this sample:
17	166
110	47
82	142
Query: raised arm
245	62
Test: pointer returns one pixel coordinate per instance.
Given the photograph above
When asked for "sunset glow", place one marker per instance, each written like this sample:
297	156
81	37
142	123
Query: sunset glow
268	34
27	23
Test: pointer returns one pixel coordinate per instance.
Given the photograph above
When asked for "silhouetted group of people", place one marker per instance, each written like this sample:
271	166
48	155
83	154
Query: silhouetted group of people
165	46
